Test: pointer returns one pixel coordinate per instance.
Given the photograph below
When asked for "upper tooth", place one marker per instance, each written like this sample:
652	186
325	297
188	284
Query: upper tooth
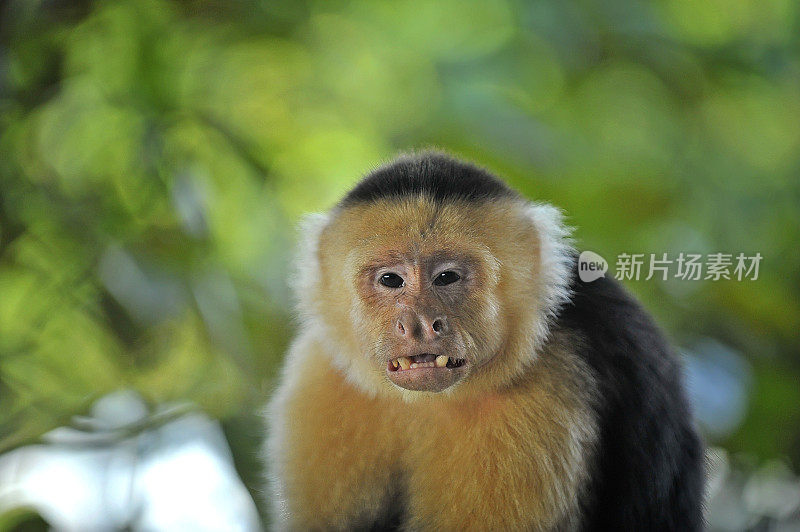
441	361
405	363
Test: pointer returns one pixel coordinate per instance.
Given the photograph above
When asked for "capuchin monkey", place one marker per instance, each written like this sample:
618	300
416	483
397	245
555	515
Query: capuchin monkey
452	372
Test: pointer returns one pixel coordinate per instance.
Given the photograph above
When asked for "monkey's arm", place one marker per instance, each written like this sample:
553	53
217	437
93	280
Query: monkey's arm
330	448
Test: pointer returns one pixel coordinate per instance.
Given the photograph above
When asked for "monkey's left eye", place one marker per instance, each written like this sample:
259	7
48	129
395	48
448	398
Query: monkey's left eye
392	280
447	277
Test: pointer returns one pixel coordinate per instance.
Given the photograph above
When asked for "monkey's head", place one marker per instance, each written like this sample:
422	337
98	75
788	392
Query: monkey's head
433	276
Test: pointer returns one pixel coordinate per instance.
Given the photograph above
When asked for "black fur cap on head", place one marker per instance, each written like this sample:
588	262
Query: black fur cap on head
431	173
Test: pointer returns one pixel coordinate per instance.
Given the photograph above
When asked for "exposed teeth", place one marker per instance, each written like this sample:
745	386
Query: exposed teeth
403	363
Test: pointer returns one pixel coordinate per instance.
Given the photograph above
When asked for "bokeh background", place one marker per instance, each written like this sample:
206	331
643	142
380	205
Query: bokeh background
155	157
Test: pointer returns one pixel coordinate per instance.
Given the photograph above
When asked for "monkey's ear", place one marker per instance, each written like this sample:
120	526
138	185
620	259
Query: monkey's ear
305	272
556	259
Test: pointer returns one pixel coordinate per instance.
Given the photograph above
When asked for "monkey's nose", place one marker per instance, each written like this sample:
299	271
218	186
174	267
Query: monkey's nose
421	328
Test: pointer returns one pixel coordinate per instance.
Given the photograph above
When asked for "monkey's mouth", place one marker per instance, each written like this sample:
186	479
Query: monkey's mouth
425	360
426	372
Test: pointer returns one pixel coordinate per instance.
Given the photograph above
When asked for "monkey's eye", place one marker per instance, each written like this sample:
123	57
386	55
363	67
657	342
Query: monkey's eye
392	280
447	277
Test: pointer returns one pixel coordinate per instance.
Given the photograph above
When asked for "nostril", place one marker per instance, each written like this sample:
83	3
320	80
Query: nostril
437	325
401	328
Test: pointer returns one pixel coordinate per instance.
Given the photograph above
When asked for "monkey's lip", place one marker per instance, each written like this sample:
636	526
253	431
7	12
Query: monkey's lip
425	372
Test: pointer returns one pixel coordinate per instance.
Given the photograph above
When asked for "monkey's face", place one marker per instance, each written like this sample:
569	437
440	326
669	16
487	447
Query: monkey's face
419	301
427	297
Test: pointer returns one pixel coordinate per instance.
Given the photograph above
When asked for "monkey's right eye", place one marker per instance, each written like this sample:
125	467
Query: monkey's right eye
392	280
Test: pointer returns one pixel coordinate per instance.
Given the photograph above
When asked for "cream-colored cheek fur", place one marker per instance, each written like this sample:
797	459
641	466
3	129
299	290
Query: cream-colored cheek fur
321	291
553	266
305	275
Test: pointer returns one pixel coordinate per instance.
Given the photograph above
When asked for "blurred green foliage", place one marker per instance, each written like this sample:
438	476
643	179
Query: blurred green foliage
155	157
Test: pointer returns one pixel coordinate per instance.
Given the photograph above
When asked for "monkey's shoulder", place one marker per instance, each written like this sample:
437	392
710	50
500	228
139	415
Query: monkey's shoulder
649	454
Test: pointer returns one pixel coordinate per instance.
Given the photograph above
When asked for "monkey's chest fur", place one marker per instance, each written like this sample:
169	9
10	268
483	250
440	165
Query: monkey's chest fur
507	460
